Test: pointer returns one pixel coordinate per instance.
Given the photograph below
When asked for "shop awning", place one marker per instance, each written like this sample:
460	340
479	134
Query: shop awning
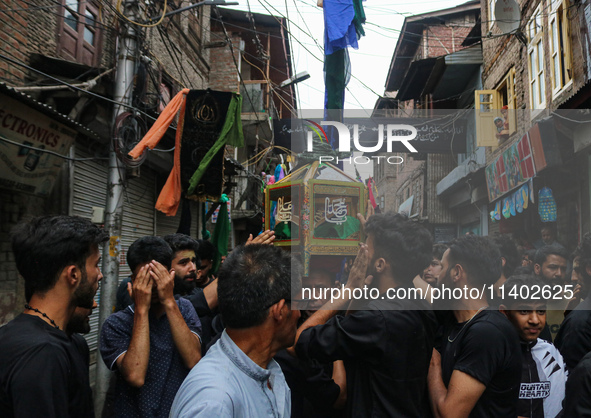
443	76
46	110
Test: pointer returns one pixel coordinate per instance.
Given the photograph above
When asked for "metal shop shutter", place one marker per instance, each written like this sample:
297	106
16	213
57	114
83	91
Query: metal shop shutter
90	189
169	224
139	198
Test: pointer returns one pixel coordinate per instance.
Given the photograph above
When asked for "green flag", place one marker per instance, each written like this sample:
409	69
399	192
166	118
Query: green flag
221	233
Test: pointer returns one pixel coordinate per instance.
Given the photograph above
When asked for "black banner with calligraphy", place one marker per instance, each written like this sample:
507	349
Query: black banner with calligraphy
443	132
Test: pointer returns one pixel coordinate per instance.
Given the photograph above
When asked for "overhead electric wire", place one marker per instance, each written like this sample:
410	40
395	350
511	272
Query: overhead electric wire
143	25
47	151
229	42
16	62
57	4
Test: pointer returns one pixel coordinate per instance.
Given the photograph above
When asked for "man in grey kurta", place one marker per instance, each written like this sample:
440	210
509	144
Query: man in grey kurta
238	377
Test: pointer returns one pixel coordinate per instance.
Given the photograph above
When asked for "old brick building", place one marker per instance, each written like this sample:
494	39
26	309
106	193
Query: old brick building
434	64
57	72
540	71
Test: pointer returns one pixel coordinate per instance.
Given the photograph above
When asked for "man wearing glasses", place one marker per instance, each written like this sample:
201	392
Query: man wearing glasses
239	377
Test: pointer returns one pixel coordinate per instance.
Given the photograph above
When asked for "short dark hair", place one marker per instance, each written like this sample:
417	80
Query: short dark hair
403	243
543	253
549	227
251	280
509	252
45	245
207	250
145	249
181	242
438	250
523	270
513	289
479	256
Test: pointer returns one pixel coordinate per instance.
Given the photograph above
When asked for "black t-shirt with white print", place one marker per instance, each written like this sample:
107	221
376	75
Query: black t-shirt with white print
487	349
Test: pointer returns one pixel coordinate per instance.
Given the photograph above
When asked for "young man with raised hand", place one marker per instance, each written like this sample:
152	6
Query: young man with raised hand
386	343
154	343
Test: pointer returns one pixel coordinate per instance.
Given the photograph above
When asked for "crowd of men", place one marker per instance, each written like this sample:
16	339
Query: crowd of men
186	342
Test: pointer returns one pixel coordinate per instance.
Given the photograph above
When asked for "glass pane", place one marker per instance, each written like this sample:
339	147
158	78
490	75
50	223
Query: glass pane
88	35
70	17
532	61
72	4
557	78
540	54
554	36
542	87
71	20
534	94
90	19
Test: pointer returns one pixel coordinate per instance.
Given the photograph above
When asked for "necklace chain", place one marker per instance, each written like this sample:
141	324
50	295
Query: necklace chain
464	326
29	307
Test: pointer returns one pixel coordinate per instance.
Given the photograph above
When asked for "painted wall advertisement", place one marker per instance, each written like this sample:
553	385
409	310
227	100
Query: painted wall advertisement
512	168
22	168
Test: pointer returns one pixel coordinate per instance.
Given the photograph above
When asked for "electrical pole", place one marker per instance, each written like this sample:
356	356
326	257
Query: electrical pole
126	64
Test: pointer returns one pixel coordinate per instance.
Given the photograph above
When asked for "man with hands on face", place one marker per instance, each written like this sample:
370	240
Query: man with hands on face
385	343
154	343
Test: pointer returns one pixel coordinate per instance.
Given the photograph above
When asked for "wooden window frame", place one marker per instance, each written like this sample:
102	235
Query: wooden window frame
535	54
82	51
488	105
560	46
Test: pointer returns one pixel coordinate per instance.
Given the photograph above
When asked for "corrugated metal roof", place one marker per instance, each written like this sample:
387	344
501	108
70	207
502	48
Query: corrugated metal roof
47	110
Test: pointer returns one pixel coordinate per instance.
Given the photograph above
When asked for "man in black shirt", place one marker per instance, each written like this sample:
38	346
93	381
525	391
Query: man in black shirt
43	371
574	338
478	371
577	400
386	344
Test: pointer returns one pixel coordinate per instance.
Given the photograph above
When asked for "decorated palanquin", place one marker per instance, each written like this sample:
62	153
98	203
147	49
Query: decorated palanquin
313	212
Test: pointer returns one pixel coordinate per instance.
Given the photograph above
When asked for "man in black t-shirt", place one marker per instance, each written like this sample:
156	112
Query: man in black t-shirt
385	343
477	371
577	400
44	371
574	338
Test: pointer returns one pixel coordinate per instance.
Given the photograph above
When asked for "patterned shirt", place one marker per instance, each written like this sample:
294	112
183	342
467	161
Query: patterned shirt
166	369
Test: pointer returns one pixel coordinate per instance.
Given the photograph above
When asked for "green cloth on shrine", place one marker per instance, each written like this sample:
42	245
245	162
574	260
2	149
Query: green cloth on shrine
231	135
342	231
221	233
286	230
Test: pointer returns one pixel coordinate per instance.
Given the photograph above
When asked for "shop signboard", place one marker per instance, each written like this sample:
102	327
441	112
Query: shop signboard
26	165
511	169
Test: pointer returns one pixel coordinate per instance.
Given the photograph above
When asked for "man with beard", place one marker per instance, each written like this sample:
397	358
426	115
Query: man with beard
41	369
153	343
574	338
80	324
186	264
477	370
386	343
431	273
550	264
